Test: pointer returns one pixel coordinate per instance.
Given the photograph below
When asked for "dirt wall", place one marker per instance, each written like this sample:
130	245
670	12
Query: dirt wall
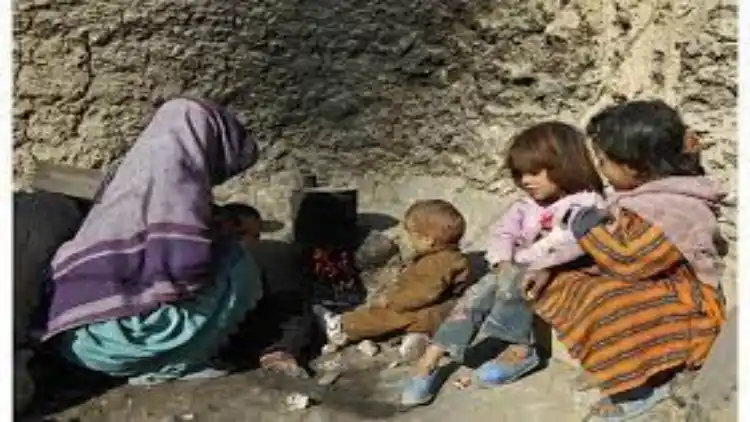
373	92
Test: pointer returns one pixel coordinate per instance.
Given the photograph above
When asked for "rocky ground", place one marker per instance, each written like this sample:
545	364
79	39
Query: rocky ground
401	99
366	387
366	390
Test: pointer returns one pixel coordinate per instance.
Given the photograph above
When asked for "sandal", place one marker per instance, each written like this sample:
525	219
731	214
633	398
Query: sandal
419	390
507	367
628	405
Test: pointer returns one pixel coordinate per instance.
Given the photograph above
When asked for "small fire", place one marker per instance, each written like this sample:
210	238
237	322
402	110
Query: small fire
333	266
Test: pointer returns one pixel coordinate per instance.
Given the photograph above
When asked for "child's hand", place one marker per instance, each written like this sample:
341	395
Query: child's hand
500	267
534	282
586	219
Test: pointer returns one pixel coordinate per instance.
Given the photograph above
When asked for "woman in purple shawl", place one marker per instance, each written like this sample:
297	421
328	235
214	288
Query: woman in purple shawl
143	290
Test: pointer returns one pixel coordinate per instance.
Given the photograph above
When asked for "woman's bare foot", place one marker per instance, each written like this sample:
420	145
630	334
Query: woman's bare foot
281	362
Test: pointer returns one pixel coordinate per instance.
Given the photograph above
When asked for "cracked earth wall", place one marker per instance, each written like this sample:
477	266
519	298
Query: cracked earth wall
379	93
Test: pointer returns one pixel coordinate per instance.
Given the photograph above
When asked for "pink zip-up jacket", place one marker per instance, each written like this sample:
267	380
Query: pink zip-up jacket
515	237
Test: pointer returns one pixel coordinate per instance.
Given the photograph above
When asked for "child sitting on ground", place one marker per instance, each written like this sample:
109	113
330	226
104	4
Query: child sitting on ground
551	164
425	291
287	320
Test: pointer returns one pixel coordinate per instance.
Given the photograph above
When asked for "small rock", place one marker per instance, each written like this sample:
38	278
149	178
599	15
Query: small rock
329	378
368	347
494	110
340	107
187	417
331	365
405	43
297	401
376	250
328	349
566	23
394	364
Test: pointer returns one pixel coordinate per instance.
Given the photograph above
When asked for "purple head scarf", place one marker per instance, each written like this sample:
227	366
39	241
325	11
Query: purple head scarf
146	241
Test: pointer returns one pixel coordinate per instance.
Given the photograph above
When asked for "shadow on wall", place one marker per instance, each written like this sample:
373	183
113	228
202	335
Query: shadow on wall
351	85
286	62
372	221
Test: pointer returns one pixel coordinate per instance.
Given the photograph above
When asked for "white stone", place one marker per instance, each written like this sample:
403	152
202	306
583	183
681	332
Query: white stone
297	401
368	347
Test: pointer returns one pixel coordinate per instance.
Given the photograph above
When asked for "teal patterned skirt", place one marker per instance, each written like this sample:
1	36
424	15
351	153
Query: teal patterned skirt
176	340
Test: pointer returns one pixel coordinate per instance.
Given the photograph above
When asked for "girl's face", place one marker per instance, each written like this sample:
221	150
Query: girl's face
539	186
620	176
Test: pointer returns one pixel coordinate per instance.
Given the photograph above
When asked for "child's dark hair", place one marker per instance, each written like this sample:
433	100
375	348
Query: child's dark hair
234	211
558	148
648	136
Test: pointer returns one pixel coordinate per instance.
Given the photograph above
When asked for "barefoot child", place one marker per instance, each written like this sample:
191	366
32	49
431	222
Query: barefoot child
427	288
550	163
287	319
652	305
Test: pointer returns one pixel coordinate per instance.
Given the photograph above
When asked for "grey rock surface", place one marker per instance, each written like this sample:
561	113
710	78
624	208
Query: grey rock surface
376	250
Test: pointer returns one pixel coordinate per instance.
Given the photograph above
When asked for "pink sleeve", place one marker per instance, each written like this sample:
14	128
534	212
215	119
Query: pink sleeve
504	234
557	248
560	246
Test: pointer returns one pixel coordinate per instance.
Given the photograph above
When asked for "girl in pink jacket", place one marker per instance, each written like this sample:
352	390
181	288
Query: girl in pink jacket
551	164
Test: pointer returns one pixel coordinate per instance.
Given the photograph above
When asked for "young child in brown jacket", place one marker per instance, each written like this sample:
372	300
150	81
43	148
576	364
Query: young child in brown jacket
424	292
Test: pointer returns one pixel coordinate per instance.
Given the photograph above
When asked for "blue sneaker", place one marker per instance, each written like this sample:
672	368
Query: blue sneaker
419	390
497	373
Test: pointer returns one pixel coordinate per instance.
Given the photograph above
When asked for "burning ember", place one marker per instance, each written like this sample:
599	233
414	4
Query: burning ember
326	265
336	278
325	226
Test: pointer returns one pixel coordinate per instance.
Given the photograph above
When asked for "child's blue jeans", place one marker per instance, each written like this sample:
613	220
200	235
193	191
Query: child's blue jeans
493	307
